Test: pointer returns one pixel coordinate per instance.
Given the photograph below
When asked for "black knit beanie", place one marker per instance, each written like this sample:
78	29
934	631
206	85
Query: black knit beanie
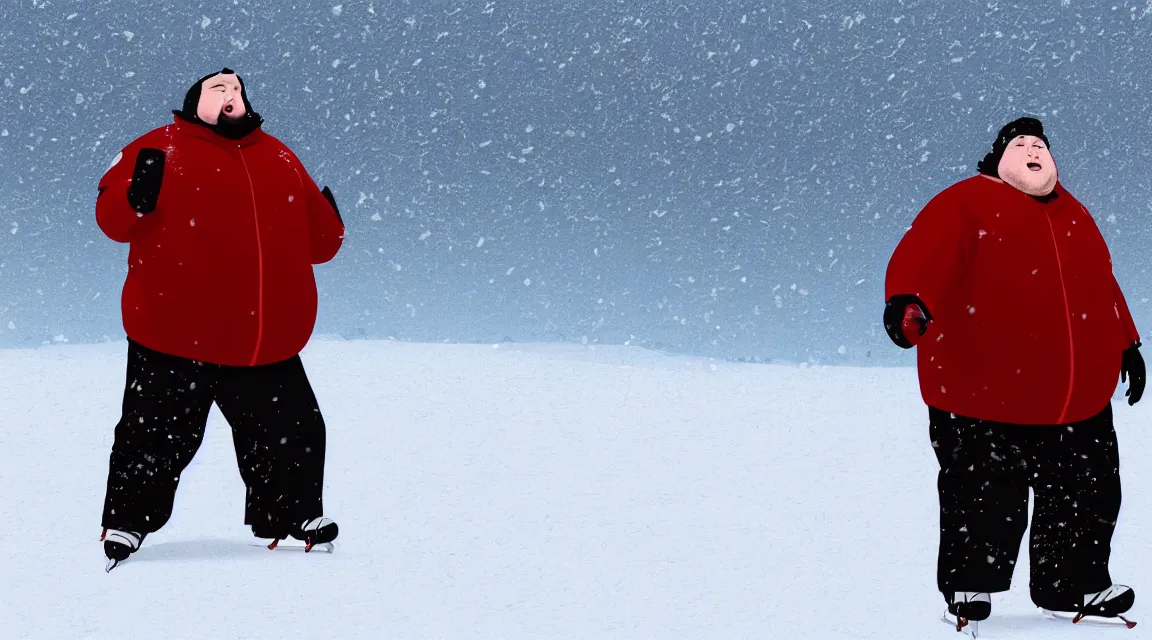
248	123
1018	127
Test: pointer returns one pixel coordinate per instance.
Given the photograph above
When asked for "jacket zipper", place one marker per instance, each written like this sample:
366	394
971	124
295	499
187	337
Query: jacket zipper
1067	318
259	263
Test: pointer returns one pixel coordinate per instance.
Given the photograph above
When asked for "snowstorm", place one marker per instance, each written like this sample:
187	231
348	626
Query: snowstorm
622	325
722	179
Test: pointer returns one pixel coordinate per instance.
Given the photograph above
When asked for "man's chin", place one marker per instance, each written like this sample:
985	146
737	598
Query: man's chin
1035	186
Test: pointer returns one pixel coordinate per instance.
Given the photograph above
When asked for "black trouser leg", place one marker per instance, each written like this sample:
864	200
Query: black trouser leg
983	492
279	436
165	407
1077	488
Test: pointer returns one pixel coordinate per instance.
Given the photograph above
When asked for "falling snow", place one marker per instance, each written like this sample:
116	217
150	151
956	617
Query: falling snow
652	174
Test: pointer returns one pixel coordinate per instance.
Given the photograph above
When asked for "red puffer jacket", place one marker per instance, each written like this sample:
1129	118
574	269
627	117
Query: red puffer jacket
1028	322
221	270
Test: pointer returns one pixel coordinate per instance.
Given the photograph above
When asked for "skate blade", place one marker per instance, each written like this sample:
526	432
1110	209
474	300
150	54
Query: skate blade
1095	621
298	545
110	565
972	629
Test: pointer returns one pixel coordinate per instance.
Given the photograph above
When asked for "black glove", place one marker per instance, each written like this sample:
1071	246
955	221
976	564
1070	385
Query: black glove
894	311
1132	366
327	193
146	176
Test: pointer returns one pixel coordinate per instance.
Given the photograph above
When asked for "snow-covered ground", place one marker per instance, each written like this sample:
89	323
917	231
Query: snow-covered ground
522	491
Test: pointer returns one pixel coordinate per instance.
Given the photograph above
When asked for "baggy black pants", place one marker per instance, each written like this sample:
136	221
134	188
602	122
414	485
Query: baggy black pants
277	430
986	469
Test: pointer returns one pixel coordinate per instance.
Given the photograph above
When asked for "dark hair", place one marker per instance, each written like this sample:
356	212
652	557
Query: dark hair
1019	127
248	123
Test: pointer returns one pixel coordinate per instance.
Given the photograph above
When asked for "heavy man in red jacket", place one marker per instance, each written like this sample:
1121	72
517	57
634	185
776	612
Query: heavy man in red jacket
223	225
1005	284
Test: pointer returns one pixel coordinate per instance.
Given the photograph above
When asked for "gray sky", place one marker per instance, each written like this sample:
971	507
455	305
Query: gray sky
720	178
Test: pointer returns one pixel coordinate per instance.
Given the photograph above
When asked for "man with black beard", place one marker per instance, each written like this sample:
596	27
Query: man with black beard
224	226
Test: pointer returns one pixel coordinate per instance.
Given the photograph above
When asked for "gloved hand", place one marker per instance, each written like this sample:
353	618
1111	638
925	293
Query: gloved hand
1132	366
145	189
327	193
906	319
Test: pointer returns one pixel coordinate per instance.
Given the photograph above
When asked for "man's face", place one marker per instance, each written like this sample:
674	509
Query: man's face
1028	166
220	96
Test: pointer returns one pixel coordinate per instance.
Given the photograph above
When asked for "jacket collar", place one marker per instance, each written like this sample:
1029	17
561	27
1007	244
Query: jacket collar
197	130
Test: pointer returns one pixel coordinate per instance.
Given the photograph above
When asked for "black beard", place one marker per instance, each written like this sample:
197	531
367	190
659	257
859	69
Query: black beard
236	127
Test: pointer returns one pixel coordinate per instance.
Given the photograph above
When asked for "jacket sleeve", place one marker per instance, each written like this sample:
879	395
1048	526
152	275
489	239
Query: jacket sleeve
116	218
325	226
1131	334
930	259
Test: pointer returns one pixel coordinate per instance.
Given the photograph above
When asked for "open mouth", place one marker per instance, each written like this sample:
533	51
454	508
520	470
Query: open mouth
1034	166
228	109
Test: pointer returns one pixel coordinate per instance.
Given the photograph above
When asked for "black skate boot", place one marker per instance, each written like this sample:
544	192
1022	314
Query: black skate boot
316	531
1108	604
118	545
966	607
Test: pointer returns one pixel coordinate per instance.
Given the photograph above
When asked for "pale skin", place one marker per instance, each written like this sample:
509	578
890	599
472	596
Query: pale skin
1028	165
220	96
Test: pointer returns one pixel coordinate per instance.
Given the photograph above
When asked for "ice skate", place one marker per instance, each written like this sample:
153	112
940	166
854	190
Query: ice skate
966	609
118	545
313	532
1103	607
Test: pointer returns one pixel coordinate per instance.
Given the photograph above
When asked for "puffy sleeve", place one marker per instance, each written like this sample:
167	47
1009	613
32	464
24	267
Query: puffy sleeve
929	260
1131	334
325	225
115	217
